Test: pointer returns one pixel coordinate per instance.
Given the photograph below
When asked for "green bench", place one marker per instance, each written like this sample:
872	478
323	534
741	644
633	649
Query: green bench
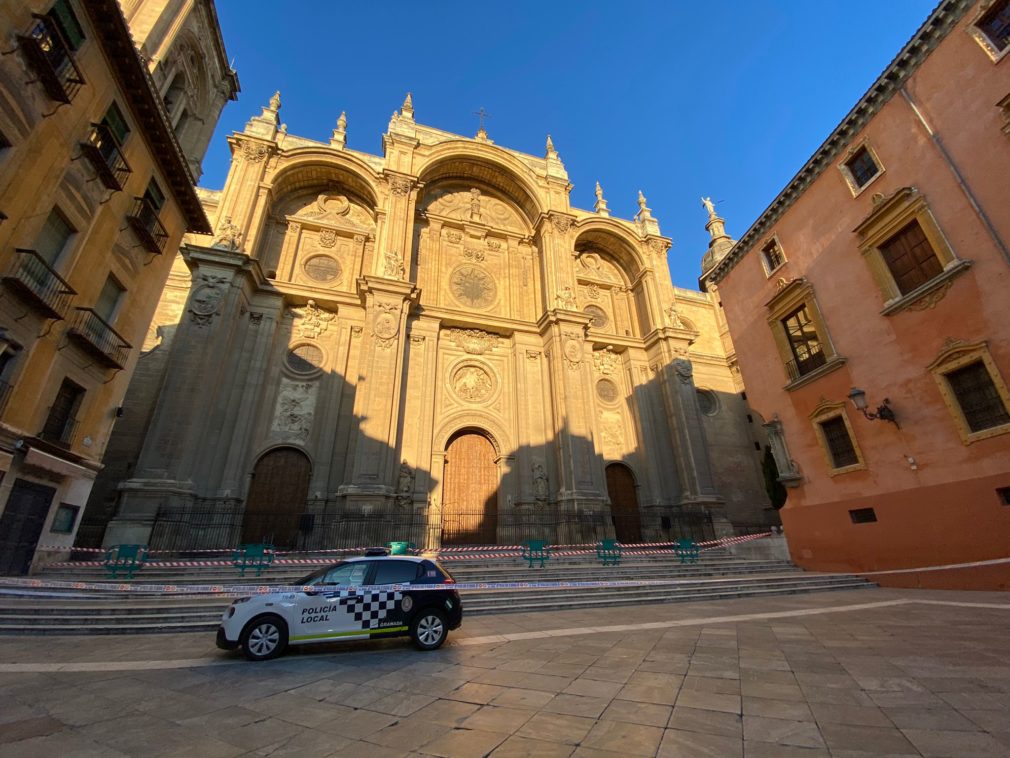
254	556
687	551
536	550
402	548
609	552
125	558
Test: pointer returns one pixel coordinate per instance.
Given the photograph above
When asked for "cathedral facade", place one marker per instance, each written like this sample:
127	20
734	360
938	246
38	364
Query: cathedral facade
430	344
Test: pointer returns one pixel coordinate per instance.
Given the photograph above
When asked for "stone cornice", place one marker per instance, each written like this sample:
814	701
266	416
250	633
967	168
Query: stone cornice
939	24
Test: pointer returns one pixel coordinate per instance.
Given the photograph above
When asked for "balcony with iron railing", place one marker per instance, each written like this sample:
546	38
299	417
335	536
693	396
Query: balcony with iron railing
813	358
103	152
143	219
96	337
58	430
51	59
38	284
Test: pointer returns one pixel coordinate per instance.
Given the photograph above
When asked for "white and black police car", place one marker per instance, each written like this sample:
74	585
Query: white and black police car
349	600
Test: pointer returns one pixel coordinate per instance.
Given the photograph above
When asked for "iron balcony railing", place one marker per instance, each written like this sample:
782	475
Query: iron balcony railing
144	221
50	58
58	430
5	393
96	336
801	366
103	152
38	283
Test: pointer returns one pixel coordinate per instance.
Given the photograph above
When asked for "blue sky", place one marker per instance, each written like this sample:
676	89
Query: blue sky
679	99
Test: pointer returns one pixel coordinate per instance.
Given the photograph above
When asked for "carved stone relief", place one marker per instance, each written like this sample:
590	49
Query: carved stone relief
541	486
312	320
474	206
387	325
322	268
600	318
399	185
473	383
392	265
296	404
254	152
473	287
327	237
612	428
606	361
572	350
473	341
206	299
566	299
471	254
229	236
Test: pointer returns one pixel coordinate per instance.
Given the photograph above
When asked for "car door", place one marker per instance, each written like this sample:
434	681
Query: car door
324	612
387	611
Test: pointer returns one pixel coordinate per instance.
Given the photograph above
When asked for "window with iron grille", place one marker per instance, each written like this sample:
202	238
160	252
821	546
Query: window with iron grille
840	447
862	167
995	24
981	404
804	343
773	255
910	258
863	516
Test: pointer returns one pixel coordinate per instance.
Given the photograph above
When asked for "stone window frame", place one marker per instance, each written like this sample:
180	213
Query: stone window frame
956	354
791	296
773	240
304	375
982	38
843	167
826	411
1004	106
889	216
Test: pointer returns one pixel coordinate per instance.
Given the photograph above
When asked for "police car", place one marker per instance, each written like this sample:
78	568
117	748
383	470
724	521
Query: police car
349	600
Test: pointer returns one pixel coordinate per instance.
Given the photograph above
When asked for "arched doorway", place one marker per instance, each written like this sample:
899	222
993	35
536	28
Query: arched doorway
470	491
624	503
277	497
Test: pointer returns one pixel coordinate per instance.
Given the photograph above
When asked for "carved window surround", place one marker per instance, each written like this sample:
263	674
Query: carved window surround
889	216
843	167
773	240
1004	106
995	55
792	295
825	411
953	356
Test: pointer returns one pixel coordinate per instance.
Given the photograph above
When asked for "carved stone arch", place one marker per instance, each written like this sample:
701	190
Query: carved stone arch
611	287
487	165
309	166
612	237
477	421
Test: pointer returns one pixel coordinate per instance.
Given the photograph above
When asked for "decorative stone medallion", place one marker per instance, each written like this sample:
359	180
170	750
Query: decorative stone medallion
472	287
472	383
386	326
600	318
607	391
305	359
322	268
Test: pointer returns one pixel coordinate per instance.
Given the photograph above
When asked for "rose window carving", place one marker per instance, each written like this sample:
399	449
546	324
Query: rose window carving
305	359
322	268
600	318
607	391
473	287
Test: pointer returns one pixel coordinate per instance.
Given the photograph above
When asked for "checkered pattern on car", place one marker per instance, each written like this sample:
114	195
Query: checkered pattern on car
369	608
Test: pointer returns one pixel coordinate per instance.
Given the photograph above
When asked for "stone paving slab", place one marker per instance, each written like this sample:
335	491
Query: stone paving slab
882	672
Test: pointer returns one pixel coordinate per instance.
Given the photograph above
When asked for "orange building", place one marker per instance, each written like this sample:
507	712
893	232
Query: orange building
870	313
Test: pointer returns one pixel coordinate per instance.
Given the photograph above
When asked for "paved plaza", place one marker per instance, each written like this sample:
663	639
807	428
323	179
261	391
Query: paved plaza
854	673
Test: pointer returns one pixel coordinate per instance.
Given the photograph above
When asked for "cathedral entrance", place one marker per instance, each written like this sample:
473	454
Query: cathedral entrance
470	491
277	497
623	503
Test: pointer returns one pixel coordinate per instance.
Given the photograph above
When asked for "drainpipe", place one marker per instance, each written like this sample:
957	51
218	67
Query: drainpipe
1000	245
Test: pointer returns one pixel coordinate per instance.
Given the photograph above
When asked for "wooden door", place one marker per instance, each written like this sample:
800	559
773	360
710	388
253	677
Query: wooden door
623	503
277	498
21	525
470	491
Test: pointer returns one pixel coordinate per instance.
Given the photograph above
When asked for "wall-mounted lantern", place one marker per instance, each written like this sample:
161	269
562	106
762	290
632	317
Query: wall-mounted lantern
883	412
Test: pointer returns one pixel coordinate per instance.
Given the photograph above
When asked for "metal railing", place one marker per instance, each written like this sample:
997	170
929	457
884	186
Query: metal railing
32	276
59	431
98	337
148	228
103	152
5	394
202	528
51	59
814	359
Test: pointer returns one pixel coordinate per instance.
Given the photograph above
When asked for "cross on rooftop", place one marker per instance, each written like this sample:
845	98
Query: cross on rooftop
482	114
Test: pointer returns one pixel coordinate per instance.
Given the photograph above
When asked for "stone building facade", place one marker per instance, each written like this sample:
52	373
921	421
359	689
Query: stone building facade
96	192
429	344
868	306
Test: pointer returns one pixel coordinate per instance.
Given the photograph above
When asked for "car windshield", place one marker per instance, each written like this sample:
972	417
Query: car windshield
350	573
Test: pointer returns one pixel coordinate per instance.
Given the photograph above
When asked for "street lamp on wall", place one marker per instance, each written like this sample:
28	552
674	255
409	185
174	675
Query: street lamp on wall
883	412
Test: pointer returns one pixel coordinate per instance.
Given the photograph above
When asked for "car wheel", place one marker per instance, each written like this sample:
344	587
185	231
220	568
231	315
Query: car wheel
264	637
428	629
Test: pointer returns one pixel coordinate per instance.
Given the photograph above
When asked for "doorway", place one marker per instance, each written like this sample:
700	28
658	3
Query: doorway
21	525
470	491
624	503
277	497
